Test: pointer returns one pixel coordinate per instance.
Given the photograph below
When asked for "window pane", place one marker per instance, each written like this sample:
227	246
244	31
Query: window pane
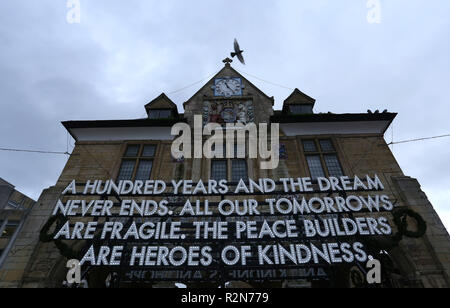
149	151
144	170
239	170
160	113
326	145
153	114
132	151
219	170
126	170
163	114
332	162
309	146
294	108
315	166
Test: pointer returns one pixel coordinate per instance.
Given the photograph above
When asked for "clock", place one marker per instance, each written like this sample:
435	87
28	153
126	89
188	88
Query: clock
227	86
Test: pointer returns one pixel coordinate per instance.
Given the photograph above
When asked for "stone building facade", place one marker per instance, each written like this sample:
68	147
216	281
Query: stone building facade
311	145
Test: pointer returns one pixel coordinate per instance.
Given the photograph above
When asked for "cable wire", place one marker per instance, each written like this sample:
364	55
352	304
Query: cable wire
34	151
392	140
193	84
269	82
211	75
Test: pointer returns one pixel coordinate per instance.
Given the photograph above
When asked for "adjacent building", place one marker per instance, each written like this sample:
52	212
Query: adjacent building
14	209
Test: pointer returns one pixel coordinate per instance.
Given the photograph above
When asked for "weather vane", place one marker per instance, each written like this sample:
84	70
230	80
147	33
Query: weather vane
237	52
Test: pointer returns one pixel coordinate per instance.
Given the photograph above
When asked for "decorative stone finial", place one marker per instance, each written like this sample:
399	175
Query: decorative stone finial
227	61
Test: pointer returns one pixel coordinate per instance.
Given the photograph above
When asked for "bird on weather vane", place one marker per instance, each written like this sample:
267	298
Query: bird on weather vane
237	52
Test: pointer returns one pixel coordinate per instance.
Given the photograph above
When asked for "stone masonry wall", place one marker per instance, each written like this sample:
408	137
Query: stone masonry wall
429	256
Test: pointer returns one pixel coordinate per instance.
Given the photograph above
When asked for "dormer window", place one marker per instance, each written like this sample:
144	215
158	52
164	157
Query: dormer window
159	113
161	108
301	109
298	103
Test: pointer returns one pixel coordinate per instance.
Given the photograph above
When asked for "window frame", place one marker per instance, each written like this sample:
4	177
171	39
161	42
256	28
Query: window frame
137	160
320	162
302	107
321	153
231	168
229	163
227	172
159	113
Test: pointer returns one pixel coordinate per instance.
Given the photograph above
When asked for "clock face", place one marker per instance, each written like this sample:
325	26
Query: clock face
228	87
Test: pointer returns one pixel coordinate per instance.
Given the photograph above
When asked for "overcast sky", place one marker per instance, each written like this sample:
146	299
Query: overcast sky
125	53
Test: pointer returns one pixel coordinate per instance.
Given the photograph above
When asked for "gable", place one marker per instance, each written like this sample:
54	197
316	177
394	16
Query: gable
261	104
298	97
